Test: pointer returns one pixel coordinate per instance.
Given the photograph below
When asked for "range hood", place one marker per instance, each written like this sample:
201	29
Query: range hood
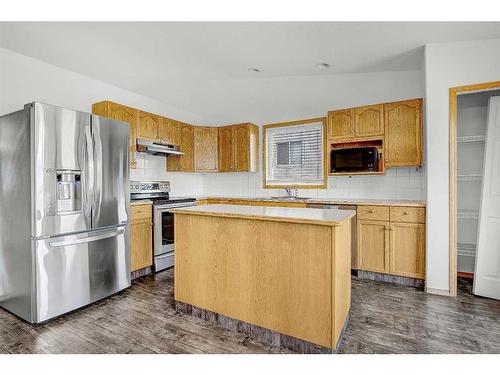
157	148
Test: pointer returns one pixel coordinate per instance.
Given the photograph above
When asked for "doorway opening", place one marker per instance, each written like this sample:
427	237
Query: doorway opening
468	124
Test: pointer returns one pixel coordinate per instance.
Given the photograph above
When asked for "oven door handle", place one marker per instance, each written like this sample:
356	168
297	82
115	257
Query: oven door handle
171	206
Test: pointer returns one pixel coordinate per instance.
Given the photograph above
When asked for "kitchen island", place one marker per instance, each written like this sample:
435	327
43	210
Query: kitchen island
280	275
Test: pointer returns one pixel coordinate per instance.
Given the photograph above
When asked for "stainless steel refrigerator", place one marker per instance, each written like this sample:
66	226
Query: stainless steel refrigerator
64	210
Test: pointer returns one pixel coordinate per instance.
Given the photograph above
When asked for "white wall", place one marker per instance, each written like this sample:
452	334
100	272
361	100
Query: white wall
23	80
265	101
447	65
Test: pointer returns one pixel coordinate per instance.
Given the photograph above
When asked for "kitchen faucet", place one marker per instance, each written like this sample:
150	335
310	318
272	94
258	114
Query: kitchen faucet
291	193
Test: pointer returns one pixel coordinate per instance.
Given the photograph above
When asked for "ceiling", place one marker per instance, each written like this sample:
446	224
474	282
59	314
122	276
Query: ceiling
158	59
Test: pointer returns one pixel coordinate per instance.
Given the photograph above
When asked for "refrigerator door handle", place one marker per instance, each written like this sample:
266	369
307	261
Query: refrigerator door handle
77	241
89	183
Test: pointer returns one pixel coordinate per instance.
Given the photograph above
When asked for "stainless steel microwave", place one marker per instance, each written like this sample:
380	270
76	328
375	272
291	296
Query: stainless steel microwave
362	159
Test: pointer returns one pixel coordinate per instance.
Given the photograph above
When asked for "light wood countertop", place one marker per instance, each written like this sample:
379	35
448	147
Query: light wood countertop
346	201
284	214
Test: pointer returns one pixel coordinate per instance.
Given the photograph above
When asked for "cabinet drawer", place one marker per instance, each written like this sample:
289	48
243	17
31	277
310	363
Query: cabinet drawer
408	214
373	213
142	211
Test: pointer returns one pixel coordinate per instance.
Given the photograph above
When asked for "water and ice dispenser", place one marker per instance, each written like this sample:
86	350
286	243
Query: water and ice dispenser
68	191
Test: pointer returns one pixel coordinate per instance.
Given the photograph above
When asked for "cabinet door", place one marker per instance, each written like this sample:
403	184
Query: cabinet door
407	250
373	246
241	148
341	124
141	248
186	143
147	126
169	130
226	149
122	113
403	133
205	149
369	121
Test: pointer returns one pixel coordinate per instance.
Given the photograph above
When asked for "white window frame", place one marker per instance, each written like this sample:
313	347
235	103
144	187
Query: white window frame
293	184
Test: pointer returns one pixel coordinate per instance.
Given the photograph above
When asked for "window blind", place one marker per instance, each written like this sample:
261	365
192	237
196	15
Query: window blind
294	155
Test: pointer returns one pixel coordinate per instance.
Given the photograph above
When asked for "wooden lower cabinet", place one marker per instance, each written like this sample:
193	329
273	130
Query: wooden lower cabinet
407	250
141	237
396	248
373	246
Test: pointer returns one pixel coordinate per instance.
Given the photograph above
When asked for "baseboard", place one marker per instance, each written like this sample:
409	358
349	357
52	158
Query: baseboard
393	279
259	333
439	292
140	273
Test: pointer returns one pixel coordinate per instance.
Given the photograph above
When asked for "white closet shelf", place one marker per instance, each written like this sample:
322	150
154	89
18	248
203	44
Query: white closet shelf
468	214
466	249
469	177
471	138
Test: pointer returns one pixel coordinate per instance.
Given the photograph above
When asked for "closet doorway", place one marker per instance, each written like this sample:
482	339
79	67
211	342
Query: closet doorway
468	124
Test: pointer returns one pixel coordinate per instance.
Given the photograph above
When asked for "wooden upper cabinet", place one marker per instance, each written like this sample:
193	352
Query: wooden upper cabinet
241	144
169	130
225	146
205	149
238	148
407	250
369	121
148	125
341	124
403	133
122	113
183	163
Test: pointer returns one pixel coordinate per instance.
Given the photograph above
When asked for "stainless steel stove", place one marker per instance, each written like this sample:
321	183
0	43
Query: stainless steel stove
163	218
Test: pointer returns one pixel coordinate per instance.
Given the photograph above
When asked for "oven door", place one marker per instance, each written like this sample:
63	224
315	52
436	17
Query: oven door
164	227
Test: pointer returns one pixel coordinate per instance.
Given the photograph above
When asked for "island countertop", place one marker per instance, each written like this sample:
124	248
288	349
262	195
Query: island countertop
284	214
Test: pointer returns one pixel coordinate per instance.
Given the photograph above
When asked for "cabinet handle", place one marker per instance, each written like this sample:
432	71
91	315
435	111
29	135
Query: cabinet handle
406	213
387	160
371	212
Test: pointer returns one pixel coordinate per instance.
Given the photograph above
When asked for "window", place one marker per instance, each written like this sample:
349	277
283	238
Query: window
294	154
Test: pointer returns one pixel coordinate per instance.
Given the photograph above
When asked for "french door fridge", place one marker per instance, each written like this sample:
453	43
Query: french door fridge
64	194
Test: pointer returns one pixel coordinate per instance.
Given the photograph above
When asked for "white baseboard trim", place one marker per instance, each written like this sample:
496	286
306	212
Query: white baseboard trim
440	292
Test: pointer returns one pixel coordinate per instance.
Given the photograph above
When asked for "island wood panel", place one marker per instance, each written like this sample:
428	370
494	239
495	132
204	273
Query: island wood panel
341	266
340	124
403	133
122	113
407	250
148	125
205	149
369	120
276	275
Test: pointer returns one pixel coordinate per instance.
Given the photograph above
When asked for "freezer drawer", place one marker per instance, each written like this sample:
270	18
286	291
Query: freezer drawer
73	271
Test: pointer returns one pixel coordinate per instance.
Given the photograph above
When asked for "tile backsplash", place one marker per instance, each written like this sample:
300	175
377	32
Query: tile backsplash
397	183
152	168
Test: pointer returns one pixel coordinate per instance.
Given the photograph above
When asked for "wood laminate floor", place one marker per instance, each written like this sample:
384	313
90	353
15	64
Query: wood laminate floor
384	318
